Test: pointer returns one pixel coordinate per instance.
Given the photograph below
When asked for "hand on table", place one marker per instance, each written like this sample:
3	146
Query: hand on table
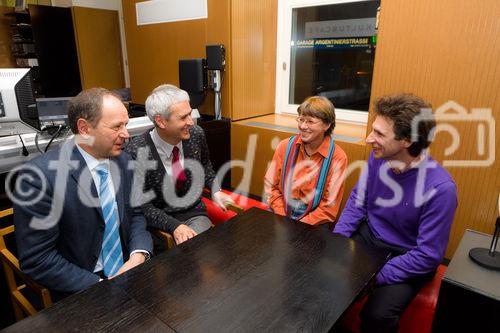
135	259
182	233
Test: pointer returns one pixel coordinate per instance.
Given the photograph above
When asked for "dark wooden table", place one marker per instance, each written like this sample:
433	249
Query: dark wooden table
255	272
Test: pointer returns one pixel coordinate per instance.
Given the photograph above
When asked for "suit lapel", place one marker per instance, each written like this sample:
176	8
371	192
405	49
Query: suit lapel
87	189
191	146
187	150
153	153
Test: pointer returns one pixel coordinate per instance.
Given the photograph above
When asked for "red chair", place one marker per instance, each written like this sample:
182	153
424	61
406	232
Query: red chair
417	318
242	203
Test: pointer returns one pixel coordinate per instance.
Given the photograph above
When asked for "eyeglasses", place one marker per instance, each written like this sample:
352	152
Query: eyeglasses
308	122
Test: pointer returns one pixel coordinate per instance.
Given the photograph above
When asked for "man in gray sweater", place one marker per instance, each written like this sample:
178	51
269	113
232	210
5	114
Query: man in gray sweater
175	165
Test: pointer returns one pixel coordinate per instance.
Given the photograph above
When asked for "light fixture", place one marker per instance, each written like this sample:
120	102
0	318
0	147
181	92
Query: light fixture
489	258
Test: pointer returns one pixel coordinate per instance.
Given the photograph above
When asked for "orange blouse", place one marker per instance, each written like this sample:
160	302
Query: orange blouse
304	179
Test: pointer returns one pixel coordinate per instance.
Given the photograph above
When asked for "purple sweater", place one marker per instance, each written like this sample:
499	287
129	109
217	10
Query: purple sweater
413	210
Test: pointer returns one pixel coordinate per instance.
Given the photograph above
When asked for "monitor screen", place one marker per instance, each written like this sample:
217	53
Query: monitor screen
52	109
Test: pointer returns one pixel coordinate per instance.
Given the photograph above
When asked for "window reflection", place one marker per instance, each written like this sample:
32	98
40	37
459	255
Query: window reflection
332	53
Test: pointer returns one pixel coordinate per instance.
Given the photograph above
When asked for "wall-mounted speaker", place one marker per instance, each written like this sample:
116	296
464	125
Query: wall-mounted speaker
193	79
192	76
216	57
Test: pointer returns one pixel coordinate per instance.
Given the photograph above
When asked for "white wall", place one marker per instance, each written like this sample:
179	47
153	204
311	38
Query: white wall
101	4
61	3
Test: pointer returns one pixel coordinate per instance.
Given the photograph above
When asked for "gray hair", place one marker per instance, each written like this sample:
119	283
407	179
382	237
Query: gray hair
162	98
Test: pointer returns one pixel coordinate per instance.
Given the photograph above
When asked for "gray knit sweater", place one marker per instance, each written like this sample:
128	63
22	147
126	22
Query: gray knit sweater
168	214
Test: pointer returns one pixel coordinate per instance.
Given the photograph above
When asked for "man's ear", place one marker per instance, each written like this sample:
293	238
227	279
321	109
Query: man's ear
407	143
159	121
83	126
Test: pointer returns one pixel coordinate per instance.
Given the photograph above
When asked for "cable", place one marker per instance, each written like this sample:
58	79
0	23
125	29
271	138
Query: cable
220	92
25	150
53	137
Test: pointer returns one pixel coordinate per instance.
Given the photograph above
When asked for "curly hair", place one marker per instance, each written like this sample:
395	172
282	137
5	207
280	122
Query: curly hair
402	109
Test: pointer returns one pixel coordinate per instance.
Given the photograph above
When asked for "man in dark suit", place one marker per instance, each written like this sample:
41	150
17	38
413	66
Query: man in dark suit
74	221
175	162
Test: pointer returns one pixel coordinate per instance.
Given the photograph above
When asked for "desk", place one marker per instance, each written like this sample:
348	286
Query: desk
10	146
255	272
469	298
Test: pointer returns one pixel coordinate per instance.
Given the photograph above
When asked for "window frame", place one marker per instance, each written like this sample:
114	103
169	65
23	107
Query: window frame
283	63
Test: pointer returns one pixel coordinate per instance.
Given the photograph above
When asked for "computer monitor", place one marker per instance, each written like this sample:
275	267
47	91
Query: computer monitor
16	94
52	111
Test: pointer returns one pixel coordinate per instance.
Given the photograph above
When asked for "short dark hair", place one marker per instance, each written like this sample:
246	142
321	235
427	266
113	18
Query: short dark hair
402	109
319	107
87	105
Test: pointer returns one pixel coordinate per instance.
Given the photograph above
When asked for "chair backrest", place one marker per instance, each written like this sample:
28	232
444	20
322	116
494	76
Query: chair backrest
22	306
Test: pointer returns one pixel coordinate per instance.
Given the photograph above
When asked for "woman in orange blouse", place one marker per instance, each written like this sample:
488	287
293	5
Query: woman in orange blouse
306	178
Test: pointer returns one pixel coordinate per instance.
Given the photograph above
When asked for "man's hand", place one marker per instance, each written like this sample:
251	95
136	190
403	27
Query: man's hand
221	199
135	259
182	233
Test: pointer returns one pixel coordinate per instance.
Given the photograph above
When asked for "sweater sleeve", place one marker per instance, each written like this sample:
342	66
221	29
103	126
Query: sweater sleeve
157	218
355	209
432	240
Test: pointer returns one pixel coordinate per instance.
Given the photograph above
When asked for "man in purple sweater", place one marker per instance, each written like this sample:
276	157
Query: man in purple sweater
404	202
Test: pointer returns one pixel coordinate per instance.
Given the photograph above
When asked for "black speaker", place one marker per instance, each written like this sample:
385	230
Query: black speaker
216	57
192	75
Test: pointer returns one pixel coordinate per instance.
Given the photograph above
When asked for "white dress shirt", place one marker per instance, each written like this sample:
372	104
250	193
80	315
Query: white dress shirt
165	151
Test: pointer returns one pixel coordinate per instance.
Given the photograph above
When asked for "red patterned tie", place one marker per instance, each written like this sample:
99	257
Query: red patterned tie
178	173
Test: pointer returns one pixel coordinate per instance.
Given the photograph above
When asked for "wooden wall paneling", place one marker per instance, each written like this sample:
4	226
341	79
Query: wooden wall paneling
6	58
219	32
97	35
263	154
253	35
154	50
447	50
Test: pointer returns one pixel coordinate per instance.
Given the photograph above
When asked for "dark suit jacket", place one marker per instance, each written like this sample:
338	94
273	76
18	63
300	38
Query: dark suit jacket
161	212
61	252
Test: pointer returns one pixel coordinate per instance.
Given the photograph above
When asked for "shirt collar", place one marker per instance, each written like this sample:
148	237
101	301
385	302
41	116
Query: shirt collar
91	161
163	145
324	148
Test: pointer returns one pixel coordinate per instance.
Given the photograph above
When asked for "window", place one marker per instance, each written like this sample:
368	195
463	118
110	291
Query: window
326	48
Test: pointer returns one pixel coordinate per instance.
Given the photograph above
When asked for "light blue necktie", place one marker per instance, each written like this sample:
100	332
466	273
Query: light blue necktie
112	257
